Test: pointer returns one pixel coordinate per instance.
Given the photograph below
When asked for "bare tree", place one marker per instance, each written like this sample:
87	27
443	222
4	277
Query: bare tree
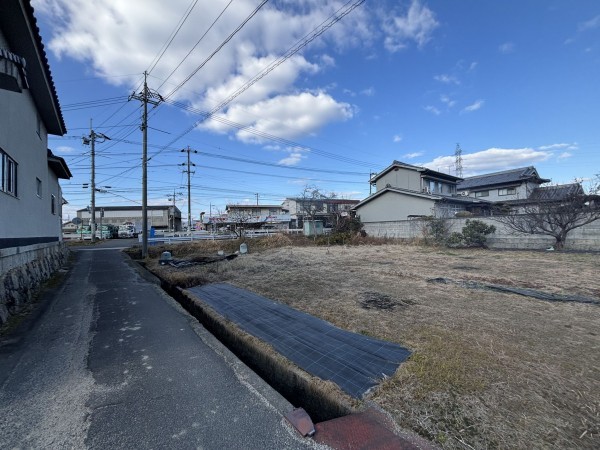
241	219
551	217
594	187
311	203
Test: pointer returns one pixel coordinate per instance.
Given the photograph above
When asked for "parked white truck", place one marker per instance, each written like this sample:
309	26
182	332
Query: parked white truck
127	230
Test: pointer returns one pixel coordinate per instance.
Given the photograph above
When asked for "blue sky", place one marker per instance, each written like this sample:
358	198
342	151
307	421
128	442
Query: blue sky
514	82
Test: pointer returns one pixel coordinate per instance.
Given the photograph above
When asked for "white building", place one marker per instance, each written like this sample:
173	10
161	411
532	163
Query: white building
30	195
161	217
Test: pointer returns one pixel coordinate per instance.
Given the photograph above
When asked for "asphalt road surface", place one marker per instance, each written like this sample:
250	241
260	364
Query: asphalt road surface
110	361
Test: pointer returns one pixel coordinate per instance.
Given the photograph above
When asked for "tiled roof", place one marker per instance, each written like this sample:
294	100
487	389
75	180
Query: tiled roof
559	192
423	170
433	197
59	166
499	178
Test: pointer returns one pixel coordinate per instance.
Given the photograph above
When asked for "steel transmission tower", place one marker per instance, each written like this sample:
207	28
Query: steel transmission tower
458	163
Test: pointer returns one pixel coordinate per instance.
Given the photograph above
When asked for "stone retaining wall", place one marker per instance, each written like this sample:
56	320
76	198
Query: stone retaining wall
23	270
585	238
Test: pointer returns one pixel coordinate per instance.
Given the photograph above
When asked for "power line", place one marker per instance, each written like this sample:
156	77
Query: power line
196	44
227	39
173	35
333	19
267	136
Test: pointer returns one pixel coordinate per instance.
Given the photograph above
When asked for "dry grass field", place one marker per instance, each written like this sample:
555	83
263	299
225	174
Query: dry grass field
488	370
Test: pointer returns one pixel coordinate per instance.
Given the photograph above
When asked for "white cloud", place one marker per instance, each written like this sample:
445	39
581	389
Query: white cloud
294	156
448	101
446	79
117	37
369	92
63	149
417	25
292	159
397	138
432	110
590	24
473	66
473	106
563	145
491	160
507	47
412	155
284	116
328	61
564	155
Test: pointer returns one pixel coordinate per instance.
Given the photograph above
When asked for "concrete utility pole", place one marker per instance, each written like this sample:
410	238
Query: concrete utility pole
93	182
91	141
146	96
371	182
189	194
175	194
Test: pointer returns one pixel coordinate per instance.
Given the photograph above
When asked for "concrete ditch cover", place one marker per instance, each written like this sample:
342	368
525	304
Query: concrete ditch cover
356	363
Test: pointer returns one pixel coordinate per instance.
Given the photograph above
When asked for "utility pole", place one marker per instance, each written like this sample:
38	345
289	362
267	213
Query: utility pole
154	98
91	141
257	199
93	182
189	194
371	182
175	194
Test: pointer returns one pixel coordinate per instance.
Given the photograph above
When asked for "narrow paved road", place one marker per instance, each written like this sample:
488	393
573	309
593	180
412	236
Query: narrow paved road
112	362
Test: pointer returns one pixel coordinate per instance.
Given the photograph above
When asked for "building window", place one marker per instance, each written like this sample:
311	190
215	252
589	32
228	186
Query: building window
482	194
507	191
38	187
8	168
53	204
12	71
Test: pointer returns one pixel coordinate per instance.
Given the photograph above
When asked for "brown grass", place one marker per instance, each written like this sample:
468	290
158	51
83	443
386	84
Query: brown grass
489	370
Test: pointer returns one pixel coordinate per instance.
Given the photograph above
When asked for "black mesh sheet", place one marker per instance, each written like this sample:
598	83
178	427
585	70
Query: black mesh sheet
353	361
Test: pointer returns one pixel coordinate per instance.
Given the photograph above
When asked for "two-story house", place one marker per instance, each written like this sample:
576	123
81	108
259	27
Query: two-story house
258	216
404	191
507	185
30	195
322	209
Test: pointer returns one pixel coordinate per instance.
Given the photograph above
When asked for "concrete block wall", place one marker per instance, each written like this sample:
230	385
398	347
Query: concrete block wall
586	238
23	270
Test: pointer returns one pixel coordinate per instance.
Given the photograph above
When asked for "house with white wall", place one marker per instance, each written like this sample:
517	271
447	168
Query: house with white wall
324	209
258	216
507	185
404	191
30	194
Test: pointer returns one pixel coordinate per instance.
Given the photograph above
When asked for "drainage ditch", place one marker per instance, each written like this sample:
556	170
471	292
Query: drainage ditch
296	386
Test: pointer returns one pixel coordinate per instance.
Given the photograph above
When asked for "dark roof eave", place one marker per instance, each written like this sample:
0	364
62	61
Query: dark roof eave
59	167
16	16
423	170
396	191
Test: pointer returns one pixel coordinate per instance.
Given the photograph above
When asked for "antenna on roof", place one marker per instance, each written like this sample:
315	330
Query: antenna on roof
458	163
